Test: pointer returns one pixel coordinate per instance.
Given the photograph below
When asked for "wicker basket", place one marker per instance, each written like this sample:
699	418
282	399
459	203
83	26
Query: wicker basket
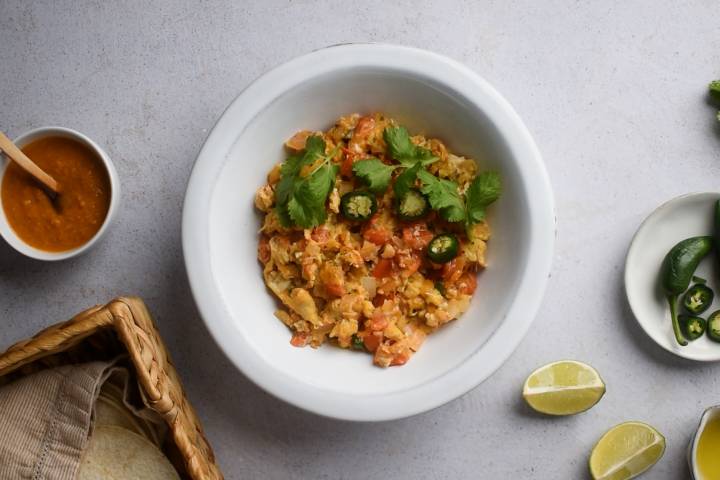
123	325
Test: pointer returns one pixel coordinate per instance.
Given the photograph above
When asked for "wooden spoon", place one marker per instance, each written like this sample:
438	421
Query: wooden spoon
14	153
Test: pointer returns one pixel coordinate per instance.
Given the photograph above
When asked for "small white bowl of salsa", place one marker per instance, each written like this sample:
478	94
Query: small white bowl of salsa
49	229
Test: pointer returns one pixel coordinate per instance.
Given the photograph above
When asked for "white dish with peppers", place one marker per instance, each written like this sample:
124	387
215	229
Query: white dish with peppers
423	92
678	230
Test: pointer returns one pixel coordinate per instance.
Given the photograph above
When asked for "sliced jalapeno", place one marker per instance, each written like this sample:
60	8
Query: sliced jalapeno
358	206
412	206
357	342
713	326
443	248
698	298
692	327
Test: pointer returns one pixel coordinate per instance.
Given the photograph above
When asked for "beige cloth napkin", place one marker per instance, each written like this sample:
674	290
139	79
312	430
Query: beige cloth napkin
46	418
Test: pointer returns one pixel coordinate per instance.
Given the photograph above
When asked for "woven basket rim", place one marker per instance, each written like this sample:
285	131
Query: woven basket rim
135	329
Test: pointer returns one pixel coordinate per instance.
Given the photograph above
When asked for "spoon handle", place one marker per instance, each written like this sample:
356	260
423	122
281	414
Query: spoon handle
17	155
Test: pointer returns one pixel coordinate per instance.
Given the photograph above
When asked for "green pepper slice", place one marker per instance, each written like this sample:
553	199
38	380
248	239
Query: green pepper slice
358	206
443	248
713	326
412	206
357	342
692	327
698	298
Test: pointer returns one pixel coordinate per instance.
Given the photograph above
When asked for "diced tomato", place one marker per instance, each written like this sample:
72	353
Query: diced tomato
264	249
378	236
400	359
364	126
371	341
468	283
335	289
417	236
375	233
378	322
299	339
383	268
320	234
452	270
347	163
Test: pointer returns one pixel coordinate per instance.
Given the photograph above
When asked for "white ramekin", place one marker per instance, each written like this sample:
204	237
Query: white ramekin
19	244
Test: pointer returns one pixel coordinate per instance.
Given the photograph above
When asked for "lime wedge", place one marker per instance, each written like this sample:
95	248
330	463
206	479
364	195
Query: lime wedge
626	451
563	388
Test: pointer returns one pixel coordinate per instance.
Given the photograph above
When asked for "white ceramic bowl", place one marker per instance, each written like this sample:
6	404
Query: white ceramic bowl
16	242
682	217
427	93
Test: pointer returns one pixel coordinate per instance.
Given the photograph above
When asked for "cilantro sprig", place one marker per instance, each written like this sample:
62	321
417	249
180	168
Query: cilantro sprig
442	194
300	200
404	150
374	173
445	197
377	175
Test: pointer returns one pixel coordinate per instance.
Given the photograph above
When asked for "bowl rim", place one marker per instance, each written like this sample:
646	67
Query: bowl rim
531	285
19	244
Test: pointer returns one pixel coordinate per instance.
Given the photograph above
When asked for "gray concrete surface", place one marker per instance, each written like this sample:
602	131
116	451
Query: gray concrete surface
614	93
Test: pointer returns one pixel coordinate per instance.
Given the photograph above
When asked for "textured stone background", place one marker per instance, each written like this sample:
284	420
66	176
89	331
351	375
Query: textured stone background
612	91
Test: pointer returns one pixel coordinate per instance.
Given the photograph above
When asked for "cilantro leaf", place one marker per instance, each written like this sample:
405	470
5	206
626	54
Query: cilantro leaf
314	147
423	156
404	150
289	171
398	142
301	201
405	181
283	215
375	173
483	191
443	196
306	206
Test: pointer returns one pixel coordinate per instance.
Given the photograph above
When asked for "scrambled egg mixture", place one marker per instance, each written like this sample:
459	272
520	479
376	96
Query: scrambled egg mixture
369	285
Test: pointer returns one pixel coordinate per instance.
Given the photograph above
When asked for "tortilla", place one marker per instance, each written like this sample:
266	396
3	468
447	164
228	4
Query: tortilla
115	411
109	412
114	453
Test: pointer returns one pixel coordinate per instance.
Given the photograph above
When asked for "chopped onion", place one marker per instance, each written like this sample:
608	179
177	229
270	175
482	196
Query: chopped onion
370	285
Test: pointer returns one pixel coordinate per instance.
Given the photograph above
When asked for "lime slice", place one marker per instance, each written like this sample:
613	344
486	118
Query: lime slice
563	388
626	451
